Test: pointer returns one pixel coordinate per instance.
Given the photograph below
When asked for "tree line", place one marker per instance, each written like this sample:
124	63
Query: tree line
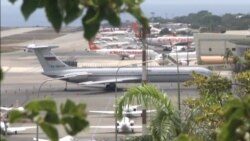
214	23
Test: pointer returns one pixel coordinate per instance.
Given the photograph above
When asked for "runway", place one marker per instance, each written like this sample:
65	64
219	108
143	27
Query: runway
22	87
23	77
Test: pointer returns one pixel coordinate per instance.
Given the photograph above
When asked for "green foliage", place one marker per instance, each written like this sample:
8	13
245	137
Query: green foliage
165	125
186	137
215	23
1	74
66	11
2	138
247	55
44	112
214	85
247	60
237	121
243	79
206	111
228	54
140	138
206	115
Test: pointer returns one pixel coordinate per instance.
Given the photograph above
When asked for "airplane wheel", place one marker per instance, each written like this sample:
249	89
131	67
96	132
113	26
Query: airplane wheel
111	87
15	132
132	130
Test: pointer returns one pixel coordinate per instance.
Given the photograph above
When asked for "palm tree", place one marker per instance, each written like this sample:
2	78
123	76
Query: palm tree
228	54
165	125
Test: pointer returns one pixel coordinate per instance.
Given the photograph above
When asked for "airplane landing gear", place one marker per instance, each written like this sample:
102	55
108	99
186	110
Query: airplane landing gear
111	87
66	86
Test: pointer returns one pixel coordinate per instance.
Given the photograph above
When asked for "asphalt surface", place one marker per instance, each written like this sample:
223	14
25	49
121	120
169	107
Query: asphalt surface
20	87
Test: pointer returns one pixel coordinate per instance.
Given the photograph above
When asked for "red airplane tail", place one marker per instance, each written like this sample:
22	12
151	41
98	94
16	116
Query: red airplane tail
93	46
135	28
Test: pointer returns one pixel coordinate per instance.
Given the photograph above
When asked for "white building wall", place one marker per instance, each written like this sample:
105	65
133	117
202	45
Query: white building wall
215	44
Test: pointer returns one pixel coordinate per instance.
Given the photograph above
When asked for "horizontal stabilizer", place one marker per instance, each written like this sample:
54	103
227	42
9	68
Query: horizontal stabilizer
104	127
113	127
33	46
18	129
109	81
102	112
69	75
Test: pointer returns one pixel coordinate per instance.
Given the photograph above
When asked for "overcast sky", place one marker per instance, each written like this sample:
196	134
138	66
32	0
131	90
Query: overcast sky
11	16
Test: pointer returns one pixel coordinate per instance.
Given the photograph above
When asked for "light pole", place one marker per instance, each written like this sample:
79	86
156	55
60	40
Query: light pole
38	94
178	82
178	78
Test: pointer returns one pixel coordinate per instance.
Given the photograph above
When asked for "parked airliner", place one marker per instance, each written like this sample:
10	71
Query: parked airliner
54	67
123	53
163	40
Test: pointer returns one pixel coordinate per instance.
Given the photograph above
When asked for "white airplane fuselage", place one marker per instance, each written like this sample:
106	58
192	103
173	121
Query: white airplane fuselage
126	52
125	125
168	40
54	67
156	74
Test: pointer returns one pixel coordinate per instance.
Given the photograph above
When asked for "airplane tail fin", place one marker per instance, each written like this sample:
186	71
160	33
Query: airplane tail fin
93	46
135	28
48	60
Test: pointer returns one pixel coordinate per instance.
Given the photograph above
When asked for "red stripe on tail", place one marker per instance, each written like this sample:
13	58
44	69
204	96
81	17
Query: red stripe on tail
92	46
135	28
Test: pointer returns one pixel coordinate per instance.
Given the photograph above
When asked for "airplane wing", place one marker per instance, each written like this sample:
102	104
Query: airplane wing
6	108
104	127
34	139
136	126
103	112
138	112
129	113
69	75
113	127
18	129
110	81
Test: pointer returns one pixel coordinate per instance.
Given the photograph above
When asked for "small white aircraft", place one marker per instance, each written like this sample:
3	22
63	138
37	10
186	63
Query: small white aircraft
13	130
124	126
123	53
66	138
128	111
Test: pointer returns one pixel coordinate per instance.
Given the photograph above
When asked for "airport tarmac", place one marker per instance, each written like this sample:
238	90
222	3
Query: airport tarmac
22	86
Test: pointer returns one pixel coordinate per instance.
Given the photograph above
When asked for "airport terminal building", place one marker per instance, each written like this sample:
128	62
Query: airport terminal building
211	47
